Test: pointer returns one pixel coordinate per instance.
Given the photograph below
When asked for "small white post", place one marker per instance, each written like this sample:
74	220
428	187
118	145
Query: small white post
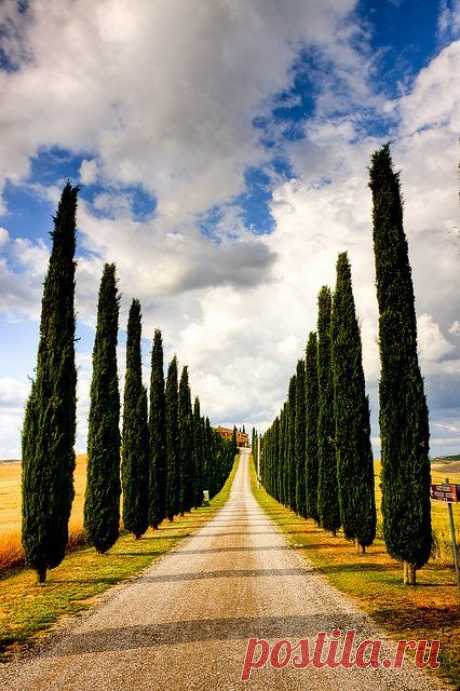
258	459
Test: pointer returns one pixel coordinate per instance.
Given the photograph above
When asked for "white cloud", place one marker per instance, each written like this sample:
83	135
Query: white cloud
162	93
236	308
4	237
432	343
449	19
88	172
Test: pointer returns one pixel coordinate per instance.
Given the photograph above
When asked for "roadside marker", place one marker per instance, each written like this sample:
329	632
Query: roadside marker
449	493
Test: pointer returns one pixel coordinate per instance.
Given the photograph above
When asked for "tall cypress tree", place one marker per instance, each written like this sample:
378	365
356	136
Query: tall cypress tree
311	428
172	440
186	470
49	424
157	435
285	459
328	500
404	426
198	453
355	471
279	479
103	486
292	458
300	419
135	464
210	445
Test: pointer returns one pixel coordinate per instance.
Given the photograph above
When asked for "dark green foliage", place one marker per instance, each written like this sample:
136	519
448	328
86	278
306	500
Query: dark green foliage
209	456
103	487
185	470
157	435
198	454
404	427
328	501
300	437
311	443
49	425
280	468
172	440
135	464
219	456
355	471
291	450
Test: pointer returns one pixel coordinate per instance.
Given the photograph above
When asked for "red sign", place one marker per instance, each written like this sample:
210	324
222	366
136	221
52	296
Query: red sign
446	492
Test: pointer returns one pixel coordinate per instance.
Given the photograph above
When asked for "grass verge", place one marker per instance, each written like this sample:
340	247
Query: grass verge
28	611
429	610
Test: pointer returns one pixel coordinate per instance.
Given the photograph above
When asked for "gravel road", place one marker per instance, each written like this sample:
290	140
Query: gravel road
185	622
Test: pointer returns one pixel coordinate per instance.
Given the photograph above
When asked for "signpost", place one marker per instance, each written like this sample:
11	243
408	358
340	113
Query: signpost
449	493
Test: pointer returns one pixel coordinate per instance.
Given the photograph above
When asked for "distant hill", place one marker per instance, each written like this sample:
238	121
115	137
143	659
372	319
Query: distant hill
446	464
9	460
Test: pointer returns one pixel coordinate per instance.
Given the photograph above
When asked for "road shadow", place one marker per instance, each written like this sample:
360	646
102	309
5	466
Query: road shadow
219	550
198	576
177	632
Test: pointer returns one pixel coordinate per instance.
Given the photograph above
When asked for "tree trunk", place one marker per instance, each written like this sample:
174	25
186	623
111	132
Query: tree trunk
41	573
410	573
360	549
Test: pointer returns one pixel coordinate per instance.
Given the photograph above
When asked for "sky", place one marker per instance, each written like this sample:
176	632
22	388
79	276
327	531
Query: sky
222	149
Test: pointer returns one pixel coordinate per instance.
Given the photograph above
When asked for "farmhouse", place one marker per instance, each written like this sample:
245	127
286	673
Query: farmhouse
242	439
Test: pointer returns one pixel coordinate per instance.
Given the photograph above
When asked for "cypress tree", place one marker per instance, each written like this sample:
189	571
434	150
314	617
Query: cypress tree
157	435
210	445
279	478
186	470
49	424
311	428
135	463
103	486
328	500
292	461
355	471
274	457
285	460
172	440
404	426
198	453
300	420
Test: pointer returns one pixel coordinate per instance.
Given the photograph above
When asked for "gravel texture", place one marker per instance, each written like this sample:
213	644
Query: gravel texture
185	622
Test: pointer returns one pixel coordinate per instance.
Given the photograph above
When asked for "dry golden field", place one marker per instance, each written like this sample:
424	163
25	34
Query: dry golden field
10	510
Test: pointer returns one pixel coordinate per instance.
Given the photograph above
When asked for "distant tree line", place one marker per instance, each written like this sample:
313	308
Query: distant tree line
317	455
167	453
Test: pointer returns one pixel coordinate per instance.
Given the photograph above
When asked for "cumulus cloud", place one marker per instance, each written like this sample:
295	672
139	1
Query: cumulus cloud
432	342
88	172
234	306
163	93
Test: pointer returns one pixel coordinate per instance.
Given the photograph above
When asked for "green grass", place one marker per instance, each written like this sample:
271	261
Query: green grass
374	582
29	610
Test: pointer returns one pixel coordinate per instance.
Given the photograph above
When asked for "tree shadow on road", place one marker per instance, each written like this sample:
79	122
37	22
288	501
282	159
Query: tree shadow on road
177	632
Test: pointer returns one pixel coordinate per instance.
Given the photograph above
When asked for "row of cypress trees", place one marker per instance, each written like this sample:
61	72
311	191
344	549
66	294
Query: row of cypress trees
333	461
317	454
167	452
